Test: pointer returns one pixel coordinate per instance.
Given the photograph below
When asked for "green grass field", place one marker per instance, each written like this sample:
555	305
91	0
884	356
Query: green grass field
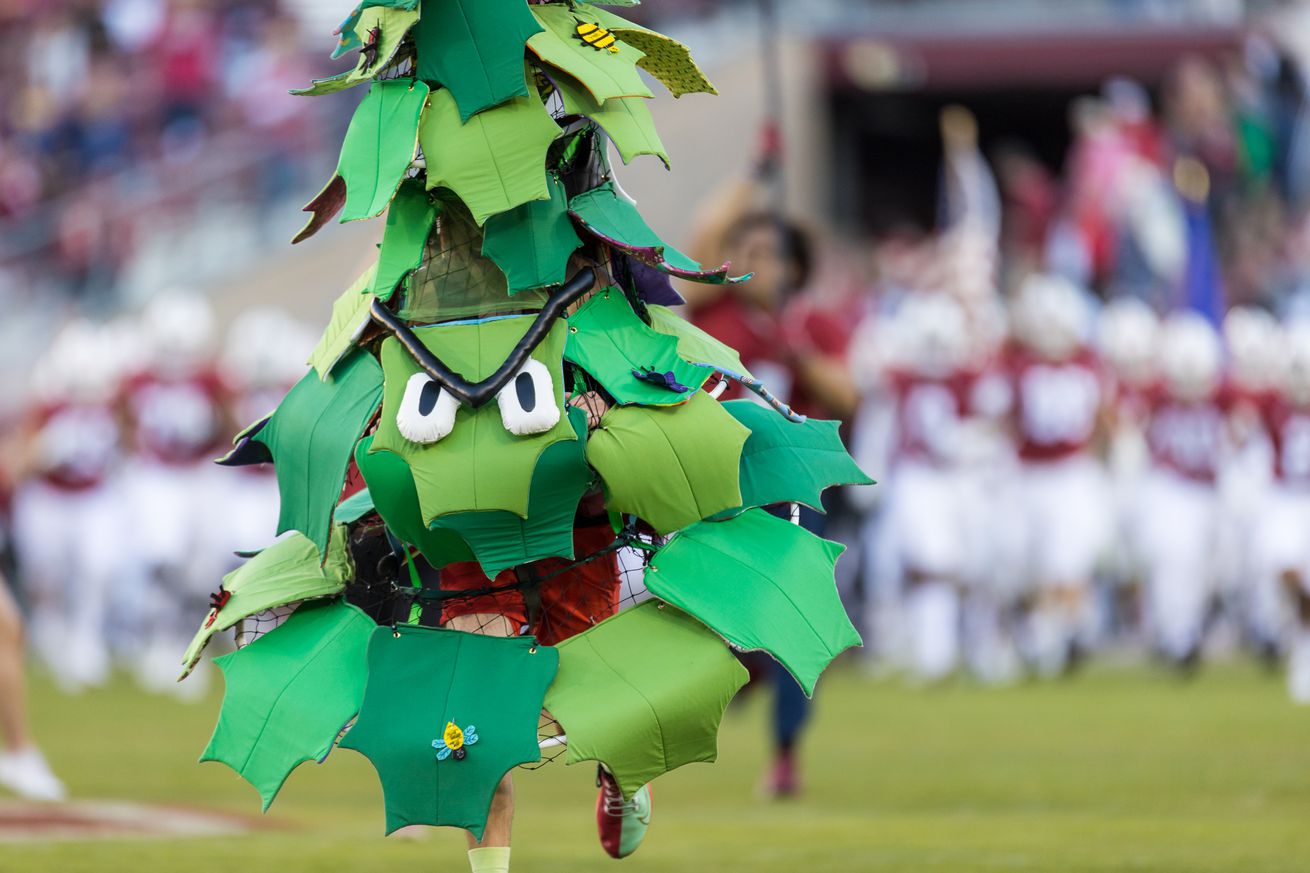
1112	771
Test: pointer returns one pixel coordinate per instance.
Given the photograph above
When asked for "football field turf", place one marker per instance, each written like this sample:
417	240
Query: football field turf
1114	770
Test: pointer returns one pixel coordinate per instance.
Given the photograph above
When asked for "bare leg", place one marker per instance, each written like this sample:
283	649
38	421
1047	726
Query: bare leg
501	817
13	691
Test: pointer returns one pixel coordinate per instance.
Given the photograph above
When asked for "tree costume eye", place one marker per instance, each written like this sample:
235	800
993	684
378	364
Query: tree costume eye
527	402
427	411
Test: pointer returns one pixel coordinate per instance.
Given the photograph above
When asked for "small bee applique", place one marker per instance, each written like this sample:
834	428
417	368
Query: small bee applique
597	37
453	741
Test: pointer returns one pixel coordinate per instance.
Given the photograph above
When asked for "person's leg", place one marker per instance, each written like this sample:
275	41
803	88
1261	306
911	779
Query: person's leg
13	691
570	602
22	767
791	709
491	853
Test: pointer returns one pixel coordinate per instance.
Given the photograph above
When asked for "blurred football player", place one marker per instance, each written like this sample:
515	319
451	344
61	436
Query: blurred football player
68	507
1283	545
1127	333
1178	520
1254	344
175	412
927	521
1057	395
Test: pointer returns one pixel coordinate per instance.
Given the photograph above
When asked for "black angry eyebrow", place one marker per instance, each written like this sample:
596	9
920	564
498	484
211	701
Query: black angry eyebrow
476	395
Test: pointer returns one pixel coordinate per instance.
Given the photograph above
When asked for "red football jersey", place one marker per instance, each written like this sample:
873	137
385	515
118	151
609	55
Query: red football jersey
1288	426
1056	404
929	411
76	443
176	421
1187	436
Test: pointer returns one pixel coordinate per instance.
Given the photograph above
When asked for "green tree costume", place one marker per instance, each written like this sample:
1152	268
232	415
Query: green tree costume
515	283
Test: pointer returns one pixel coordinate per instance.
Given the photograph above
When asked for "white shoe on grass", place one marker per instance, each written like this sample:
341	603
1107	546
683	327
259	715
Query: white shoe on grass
26	773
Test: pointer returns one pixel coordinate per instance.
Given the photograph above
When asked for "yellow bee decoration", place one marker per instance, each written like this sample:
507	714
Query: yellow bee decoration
597	37
453	741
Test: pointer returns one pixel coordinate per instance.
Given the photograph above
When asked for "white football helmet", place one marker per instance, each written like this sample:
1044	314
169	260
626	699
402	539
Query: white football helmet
1251	336
266	347
933	334
1191	356
179	326
1127	331
1052	316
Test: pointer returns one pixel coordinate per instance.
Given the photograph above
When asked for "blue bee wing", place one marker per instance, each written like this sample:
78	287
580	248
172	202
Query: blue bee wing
443	753
437	744
470	735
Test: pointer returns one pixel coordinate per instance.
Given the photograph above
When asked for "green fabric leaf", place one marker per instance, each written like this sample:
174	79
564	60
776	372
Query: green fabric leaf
421	680
763	584
479	466
379	146
615	221
626	120
392	25
665	58
694	344
409	223
643	692
391	484
289	570
349	318
354	507
790	462
604	73
671	465
532	243
311	437
475	48
610	342
289	693
501	540
494	162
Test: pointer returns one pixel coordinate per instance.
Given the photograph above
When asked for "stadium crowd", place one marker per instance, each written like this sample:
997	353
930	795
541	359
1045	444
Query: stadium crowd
117	105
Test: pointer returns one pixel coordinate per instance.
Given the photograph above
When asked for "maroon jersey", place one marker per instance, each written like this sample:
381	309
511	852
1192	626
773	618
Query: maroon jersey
76	444
929	411
1187	436
176	421
1055	404
1288	426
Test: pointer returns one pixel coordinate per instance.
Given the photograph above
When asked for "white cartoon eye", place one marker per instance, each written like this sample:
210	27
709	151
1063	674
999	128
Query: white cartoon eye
427	411
527	402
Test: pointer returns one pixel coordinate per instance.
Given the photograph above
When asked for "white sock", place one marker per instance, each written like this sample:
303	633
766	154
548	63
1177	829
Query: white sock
490	859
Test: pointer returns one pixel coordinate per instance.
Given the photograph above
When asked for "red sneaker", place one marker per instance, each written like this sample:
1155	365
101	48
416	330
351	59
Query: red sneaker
622	823
782	780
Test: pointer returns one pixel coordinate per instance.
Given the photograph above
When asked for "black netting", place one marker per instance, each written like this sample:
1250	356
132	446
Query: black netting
255	626
454	280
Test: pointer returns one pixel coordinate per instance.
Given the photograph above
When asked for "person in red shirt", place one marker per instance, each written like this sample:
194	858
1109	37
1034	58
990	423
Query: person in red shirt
1057	396
787	342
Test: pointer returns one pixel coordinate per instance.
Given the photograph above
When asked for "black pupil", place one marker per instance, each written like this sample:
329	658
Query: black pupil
427	399
526	390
